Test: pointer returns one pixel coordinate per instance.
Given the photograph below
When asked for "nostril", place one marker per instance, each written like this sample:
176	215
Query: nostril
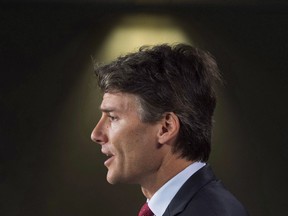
94	137
98	134
98	137
97	141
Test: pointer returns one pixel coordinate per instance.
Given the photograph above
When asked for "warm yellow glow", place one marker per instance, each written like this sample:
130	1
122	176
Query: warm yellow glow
136	30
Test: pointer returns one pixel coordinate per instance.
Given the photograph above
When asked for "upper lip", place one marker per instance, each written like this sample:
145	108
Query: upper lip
106	152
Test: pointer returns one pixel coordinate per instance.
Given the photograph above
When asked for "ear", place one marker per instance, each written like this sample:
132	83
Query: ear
170	126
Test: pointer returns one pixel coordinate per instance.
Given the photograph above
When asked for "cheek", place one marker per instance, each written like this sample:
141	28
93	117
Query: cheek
129	146
141	144
121	139
132	141
115	132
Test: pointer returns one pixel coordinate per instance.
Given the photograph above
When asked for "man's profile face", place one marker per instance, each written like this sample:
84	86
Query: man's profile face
131	145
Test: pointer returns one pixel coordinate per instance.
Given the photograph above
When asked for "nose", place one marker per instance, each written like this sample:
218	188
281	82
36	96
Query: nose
98	134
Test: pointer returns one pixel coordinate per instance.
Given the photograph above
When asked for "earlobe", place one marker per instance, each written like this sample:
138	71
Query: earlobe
170	128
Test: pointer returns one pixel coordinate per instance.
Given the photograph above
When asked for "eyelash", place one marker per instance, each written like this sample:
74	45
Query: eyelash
112	118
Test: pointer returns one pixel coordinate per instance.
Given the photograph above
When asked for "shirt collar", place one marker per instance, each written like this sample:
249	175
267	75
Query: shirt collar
161	199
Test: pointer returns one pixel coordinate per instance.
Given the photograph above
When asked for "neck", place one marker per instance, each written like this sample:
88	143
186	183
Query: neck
171	166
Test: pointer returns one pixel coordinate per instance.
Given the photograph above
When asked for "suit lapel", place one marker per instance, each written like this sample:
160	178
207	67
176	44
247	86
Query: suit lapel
189	189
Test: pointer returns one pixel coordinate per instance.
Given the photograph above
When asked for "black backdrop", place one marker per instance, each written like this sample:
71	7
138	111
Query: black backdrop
49	166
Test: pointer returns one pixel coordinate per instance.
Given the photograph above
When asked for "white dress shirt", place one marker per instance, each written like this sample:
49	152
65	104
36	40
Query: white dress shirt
161	199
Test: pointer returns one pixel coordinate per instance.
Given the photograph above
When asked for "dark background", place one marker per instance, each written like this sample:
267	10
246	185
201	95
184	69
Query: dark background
49	103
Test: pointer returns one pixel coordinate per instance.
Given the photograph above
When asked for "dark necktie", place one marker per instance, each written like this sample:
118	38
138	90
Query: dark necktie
145	211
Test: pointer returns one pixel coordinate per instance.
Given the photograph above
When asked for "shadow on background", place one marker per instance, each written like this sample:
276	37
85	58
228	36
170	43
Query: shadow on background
49	104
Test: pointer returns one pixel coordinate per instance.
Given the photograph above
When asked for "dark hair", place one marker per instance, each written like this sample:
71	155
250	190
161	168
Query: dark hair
165	78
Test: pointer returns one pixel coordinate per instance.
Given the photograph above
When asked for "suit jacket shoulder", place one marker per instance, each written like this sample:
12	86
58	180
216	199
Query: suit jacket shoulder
203	195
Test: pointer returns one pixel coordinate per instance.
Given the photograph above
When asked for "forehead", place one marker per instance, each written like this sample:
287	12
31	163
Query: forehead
119	102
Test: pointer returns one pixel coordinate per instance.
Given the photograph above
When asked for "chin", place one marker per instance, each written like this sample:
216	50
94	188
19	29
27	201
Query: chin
112	179
118	179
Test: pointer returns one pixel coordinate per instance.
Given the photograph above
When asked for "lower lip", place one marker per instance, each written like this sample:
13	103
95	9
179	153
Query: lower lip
109	161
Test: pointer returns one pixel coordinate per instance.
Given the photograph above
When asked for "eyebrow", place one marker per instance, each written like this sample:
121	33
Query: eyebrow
107	110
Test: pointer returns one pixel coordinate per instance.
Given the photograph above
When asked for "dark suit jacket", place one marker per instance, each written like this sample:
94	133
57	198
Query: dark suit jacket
203	195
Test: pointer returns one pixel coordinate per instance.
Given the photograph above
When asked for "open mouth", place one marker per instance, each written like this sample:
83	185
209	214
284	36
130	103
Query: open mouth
109	160
110	157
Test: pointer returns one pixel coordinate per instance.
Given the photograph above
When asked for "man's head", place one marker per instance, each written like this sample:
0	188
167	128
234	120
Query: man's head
179	79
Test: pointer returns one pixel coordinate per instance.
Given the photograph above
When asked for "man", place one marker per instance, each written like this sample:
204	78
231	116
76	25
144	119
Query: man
156	127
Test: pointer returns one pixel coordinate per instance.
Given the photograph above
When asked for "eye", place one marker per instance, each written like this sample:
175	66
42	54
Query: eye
111	117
